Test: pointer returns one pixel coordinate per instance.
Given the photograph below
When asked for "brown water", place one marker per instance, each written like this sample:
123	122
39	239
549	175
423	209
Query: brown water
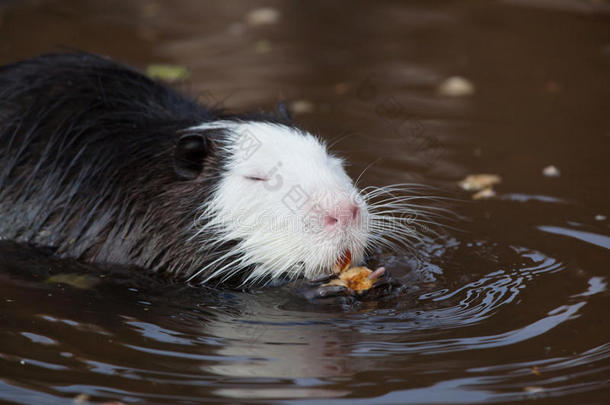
511	307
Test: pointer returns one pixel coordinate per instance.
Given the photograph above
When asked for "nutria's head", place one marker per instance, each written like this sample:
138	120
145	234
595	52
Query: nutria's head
283	204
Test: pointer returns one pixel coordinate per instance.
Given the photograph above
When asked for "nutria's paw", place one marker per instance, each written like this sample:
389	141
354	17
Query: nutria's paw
361	284
324	291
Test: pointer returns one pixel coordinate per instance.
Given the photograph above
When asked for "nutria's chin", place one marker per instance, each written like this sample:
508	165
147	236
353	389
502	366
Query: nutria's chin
107	166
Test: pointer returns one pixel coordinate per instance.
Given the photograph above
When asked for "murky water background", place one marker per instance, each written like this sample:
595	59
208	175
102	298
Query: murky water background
510	307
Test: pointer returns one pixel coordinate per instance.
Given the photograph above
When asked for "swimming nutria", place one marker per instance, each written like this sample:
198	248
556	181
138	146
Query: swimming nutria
108	166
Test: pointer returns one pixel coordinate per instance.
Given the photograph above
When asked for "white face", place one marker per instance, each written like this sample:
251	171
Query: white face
288	202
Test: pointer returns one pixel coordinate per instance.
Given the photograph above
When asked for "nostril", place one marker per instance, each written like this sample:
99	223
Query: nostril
329	220
342	215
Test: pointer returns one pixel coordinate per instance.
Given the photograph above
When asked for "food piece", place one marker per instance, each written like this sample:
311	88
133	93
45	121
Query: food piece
343	263
354	279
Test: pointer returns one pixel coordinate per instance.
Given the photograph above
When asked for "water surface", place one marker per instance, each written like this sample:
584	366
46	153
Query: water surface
511	306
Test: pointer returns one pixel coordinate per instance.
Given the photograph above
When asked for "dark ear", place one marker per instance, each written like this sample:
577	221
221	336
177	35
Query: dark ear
283	112
189	154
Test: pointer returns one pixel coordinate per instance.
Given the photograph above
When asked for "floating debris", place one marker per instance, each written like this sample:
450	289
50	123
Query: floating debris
476	182
484	194
456	86
536	371
482	183
533	390
80	281
551	171
262	16
600	217
302	107
167	73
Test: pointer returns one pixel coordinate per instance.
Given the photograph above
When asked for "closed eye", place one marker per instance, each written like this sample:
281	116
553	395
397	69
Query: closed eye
255	178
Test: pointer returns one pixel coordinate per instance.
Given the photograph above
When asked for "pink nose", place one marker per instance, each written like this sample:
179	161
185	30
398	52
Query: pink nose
342	214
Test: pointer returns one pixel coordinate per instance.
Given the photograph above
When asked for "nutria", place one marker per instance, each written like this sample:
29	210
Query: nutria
105	165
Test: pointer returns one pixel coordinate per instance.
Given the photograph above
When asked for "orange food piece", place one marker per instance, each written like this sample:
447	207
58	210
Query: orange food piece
343	262
357	278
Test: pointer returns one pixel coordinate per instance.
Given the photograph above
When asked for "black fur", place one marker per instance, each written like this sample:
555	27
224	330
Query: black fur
95	163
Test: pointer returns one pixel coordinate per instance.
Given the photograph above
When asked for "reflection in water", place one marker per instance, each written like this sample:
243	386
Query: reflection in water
279	349
510	307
